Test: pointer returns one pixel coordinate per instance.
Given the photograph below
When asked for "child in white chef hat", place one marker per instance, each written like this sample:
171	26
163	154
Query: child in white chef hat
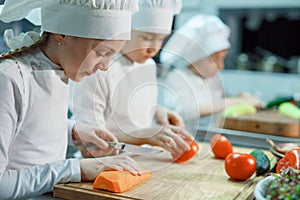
79	37
124	98
197	51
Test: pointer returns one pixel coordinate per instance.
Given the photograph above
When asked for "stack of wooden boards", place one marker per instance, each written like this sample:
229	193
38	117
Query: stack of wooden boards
265	121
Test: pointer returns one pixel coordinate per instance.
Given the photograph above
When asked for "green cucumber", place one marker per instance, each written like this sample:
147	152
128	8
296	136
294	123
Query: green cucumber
289	109
279	100
239	110
262	162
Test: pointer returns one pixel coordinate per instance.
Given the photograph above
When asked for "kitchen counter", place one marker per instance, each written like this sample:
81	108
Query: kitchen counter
202	177
208	126
243	138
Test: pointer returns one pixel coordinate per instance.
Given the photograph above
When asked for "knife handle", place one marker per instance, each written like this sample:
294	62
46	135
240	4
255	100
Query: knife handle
117	145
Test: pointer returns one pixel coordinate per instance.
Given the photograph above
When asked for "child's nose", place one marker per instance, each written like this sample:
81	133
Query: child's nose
103	65
221	65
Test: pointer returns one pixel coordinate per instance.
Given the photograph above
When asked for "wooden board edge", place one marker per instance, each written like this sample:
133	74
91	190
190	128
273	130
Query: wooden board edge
277	130
67	192
247	193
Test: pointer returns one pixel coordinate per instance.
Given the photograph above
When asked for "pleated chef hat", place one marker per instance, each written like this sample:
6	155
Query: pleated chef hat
198	38
156	16
99	19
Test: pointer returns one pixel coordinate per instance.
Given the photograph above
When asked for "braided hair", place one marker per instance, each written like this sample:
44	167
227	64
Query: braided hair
26	49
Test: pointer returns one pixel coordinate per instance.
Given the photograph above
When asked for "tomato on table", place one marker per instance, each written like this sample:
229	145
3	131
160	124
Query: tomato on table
290	159
188	154
221	146
240	166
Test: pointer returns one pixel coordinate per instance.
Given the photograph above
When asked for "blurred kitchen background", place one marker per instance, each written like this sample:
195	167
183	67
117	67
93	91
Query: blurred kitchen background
264	58
265	34
18	27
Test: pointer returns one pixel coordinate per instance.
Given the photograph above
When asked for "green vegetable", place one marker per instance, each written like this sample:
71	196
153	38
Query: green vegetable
262	162
285	185
289	109
279	100
239	110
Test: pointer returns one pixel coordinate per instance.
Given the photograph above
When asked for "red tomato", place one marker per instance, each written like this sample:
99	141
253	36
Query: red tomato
188	154
240	166
290	159
220	146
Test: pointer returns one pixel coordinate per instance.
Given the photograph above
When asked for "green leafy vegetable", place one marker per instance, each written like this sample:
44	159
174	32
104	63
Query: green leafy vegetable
285	185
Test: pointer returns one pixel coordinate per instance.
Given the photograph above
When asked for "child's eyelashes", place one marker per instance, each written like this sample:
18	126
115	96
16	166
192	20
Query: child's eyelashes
152	39
100	54
147	38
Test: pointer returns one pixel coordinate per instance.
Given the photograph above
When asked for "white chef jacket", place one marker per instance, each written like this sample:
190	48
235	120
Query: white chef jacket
186	90
33	127
122	99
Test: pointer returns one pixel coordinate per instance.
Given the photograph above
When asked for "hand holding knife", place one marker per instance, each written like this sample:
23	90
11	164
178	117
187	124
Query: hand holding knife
127	148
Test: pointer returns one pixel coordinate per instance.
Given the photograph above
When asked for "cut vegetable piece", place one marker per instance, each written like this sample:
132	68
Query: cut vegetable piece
289	109
239	110
119	181
290	159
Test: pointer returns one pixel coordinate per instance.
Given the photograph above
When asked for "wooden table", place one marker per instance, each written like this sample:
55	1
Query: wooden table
202	177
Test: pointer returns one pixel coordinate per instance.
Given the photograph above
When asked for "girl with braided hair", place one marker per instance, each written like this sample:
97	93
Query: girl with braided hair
79	37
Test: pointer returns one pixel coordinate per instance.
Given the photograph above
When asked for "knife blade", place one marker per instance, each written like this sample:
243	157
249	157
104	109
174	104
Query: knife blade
126	148
133	149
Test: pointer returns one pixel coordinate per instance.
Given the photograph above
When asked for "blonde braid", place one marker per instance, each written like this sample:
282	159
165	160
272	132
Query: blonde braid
29	49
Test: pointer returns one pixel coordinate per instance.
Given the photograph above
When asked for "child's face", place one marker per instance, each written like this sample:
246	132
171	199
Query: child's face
142	46
209	66
83	57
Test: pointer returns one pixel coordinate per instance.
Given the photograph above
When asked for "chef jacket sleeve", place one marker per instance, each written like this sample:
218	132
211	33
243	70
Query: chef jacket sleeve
35	180
10	101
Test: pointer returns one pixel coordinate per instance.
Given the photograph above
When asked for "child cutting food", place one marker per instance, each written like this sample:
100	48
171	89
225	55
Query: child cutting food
123	99
79	37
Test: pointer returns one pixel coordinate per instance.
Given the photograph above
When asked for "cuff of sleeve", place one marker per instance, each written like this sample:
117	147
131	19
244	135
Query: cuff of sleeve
71	124
75	170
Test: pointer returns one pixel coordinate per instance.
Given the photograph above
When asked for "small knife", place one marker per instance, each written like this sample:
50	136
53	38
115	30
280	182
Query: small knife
133	149
128	148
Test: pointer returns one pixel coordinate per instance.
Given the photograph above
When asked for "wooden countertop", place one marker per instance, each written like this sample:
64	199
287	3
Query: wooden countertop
202	177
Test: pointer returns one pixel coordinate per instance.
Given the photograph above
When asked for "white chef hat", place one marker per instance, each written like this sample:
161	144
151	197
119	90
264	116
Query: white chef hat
156	16
99	19
198	38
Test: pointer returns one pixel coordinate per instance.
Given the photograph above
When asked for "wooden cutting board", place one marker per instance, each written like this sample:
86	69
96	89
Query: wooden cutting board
202	177
267	122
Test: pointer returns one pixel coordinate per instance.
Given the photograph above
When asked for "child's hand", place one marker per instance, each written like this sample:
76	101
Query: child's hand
171	138
165	117
91	167
92	141
248	98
